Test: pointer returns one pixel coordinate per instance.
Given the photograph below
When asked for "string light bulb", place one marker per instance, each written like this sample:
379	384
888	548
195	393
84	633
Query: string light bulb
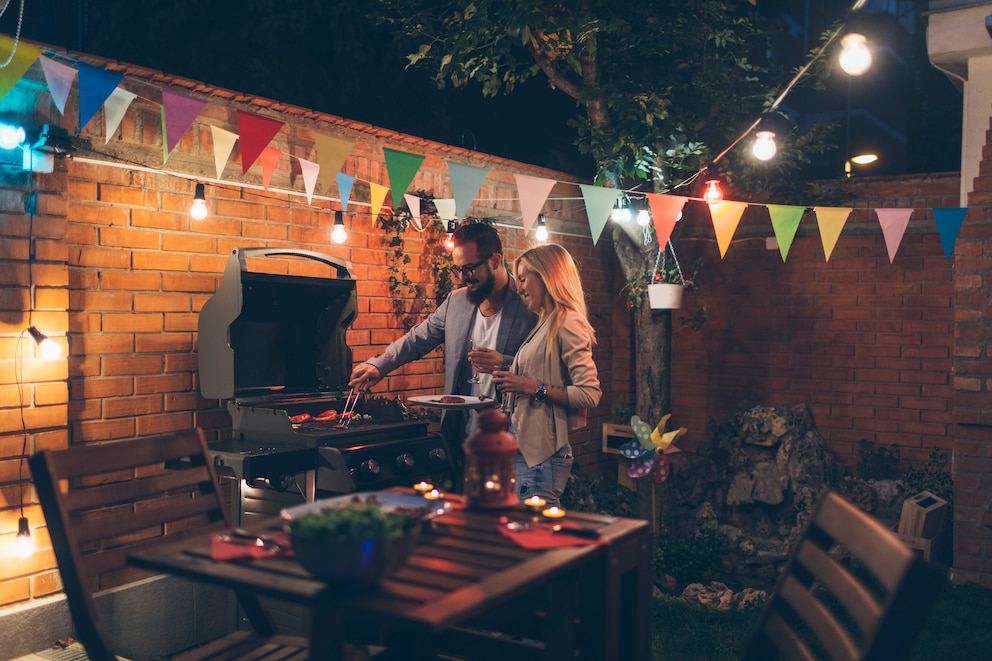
339	234
198	211
643	215
541	233
621	210
11	137
713	194
23	546
855	57
50	349
449	238
764	145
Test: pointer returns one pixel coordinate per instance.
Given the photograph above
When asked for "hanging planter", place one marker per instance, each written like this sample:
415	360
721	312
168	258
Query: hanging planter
665	296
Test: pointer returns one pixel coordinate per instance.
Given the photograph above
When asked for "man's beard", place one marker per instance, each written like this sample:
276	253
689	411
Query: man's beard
483	291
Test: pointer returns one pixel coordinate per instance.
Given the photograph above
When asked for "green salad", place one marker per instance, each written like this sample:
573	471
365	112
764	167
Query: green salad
353	521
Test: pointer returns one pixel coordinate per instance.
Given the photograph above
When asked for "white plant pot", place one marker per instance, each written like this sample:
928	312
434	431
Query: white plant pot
665	296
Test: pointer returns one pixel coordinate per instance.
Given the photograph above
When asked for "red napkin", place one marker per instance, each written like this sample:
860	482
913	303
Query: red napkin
540	538
224	549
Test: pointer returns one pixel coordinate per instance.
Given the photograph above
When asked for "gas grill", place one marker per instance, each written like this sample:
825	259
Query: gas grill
274	347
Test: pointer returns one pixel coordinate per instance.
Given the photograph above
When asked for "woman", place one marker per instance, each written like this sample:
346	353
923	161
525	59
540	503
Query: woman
553	378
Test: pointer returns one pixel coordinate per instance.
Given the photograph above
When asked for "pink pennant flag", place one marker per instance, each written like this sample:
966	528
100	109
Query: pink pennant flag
831	221
223	146
309	169
665	212
377	195
256	133
179	111
269	157
785	223
113	111
413	203
59	78
331	154
726	217
894	223
599	203
533	193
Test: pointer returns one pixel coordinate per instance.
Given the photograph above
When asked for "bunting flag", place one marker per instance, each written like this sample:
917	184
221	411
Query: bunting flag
256	134
726	217
223	146
831	221
599	203
95	85
893	223
377	195
269	157
445	209
666	210
113	111
533	193
59	79
413	203
22	60
309	170
331	155
179	110
466	180
345	183
785	223
949	223
402	167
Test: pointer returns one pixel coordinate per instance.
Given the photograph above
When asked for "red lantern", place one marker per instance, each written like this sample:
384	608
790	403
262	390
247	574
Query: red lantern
491	462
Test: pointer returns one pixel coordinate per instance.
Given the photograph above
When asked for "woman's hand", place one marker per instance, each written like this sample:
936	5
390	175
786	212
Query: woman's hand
507	381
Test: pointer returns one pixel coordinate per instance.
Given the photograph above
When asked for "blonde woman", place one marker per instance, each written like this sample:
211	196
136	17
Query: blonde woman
553	378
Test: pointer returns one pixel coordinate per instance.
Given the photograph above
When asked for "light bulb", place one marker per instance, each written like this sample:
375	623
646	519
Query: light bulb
855	58
199	209
643	217
541	233
713	194
621	210
50	349
23	546
11	137
339	234
449	238
764	145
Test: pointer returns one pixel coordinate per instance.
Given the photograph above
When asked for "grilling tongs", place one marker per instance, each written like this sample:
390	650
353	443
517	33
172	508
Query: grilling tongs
348	412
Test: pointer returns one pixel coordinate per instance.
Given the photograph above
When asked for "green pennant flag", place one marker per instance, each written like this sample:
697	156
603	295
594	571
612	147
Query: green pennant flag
785	223
402	168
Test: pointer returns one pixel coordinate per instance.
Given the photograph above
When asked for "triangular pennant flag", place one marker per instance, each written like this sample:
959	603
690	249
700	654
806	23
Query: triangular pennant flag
345	182
599	203
402	168
223	146
665	211
331	154
256	134
377	195
831	221
179	110
59	78
785	223
533	193
22	60
95	85
894	223
413	203
465	183
726	217
445	208
113	111
949	223
309	169
269	157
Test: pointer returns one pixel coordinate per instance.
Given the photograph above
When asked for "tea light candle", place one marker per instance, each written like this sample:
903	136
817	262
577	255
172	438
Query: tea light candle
433	494
423	487
554	512
534	502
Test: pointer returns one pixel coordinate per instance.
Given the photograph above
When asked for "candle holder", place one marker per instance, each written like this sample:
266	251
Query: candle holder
553	512
535	503
423	488
490	463
433	494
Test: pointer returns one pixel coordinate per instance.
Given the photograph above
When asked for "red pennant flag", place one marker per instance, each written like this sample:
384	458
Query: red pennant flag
665	212
256	134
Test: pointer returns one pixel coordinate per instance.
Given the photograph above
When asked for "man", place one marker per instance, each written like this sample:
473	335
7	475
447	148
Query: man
486	312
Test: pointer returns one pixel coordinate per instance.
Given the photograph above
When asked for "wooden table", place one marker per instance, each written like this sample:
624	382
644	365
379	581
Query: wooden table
466	590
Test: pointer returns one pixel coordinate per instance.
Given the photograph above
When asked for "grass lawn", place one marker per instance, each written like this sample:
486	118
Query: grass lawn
957	628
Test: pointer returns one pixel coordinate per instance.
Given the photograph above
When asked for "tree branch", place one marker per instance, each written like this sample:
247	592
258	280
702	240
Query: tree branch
556	79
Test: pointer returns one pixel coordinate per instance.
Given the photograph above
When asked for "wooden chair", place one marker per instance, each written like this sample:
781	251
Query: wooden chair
824	607
102	501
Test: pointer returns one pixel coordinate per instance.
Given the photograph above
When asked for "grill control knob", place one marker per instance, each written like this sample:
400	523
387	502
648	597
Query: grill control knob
438	456
368	470
405	462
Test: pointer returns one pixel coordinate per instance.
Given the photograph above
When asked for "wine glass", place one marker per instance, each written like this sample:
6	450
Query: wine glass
475	374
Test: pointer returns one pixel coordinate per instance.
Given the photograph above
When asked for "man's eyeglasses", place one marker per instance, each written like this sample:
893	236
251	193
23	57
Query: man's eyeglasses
467	270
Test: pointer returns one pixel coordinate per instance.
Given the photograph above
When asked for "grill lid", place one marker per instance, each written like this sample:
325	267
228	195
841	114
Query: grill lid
262	333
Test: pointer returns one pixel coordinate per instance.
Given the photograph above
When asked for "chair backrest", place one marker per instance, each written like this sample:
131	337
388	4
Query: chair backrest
864	600
101	501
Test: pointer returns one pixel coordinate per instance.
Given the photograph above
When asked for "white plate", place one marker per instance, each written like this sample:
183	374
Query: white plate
390	502
469	403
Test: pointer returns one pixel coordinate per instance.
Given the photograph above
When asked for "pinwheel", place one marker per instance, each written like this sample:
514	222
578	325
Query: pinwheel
648	449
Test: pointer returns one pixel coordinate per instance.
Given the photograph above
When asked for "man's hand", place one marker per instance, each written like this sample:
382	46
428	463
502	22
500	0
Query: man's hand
485	360
364	376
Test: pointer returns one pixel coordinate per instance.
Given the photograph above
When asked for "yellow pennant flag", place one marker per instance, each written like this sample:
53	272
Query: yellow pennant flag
378	196
331	155
831	221
726	217
24	57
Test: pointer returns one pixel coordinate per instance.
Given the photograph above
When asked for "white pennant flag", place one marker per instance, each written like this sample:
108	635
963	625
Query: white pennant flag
310	171
223	145
445	208
114	108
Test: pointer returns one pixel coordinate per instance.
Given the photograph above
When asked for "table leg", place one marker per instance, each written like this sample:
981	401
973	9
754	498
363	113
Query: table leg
625	601
559	630
325	634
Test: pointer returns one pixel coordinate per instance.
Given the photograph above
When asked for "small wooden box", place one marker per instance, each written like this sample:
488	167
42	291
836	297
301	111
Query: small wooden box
922	516
614	436
930	548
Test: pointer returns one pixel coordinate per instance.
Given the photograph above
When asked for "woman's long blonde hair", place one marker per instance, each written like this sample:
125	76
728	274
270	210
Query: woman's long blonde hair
557	270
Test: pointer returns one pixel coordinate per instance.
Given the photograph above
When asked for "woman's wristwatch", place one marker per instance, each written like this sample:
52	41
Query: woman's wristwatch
541	394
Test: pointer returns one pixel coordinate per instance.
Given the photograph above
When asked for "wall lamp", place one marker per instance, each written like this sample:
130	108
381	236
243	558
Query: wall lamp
50	349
